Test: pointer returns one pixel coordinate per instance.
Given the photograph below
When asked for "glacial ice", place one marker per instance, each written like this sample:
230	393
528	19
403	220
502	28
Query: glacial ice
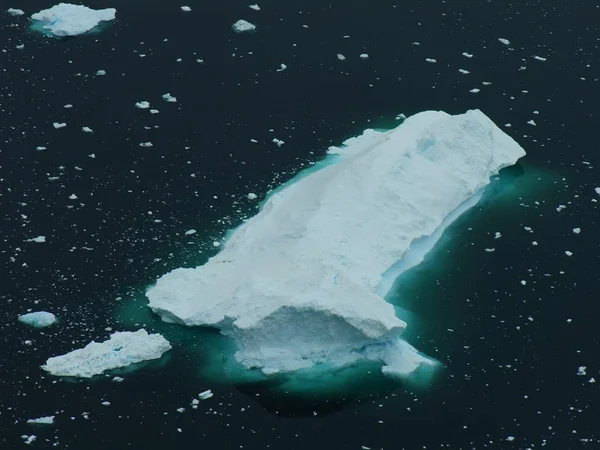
66	19
122	349
303	282
39	319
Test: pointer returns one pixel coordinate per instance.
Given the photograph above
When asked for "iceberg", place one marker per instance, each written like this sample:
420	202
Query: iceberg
122	349
300	283
66	19
39	319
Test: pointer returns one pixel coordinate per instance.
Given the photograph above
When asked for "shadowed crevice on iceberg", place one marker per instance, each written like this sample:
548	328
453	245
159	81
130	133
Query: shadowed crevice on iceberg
302	283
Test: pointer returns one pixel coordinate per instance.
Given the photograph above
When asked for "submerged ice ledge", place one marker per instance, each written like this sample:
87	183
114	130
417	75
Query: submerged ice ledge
302	282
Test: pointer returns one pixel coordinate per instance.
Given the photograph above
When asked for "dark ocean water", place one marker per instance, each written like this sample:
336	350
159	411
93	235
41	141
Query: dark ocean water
511	351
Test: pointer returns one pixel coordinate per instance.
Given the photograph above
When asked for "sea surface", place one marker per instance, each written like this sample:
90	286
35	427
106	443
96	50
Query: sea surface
512	326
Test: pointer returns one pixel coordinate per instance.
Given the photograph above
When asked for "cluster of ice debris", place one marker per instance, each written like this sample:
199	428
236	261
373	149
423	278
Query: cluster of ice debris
297	285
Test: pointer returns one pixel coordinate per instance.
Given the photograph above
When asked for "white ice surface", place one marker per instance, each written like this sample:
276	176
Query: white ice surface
48	420
122	349
243	25
39	319
303	281
66	19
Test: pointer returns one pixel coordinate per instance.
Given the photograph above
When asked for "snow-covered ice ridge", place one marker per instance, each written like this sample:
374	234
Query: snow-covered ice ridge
122	349
66	19
297	284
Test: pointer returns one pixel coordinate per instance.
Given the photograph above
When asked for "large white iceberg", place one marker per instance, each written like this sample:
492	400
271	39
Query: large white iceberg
66	19
38	319
300	283
122	349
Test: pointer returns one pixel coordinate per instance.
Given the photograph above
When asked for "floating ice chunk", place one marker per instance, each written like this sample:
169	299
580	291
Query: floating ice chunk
72	197
282	68
568	253
252	196
364	56
154	111
48	420
101	72
279	142
122	349
597	190
58	125
463	71
87	130
142	105
66	19
539	58
467	55
474	90
581	370
29	439
301	282
118	379
186	8
504	41
15	12
190	232
430	60
40	148
255	7
146	144
243	25
39	319
205	395
341	57
69	106
576	230
169	98
532	122
37	239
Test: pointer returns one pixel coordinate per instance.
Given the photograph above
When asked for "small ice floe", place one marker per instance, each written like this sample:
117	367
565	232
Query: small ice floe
37	239
29	439
205	395
581	371
100	72
40	148
146	144
255	7
474	90
142	105
15	12
430	60
243	25
597	190
72	197
87	130
467	55
341	57
121	350
48	420
69	106
497	235
186	8
278	142
252	196
190	232
490	250
154	111
539	58
169	98
576	230
532	122
504	41
364	56
282	67
568	253
464	71
38	319
58	125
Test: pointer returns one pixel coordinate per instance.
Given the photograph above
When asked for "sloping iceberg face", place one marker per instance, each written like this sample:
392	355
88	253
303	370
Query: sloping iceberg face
122	349
66	19
38	319
297	284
